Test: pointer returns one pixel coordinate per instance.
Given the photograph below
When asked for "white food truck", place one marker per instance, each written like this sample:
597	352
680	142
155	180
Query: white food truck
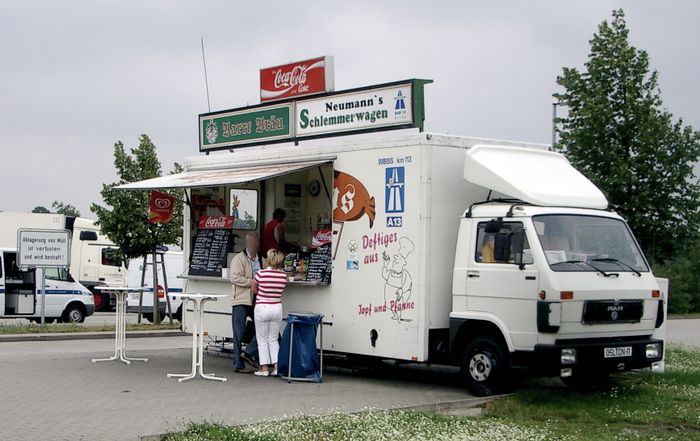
93	258
489	255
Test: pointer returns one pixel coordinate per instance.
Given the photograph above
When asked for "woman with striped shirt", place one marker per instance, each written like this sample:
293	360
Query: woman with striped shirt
269	286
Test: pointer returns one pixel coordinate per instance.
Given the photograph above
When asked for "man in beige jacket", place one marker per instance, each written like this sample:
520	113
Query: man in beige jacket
243	268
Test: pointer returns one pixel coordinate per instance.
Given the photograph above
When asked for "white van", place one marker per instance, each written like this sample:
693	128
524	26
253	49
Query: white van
173	268
20	293
94	261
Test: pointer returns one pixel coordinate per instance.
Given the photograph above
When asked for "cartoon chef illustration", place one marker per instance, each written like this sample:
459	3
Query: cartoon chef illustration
399	283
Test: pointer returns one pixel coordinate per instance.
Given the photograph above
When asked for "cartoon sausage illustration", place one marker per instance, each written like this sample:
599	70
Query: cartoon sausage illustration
353	200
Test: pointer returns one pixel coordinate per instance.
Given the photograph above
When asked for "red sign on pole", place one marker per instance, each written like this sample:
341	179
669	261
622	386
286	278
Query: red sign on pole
297	79
161	208
215	222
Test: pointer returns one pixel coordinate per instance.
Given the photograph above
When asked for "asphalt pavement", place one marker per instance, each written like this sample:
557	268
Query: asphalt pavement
686	331
52	391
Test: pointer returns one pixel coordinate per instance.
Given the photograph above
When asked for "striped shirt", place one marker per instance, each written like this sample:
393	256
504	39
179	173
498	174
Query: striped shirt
271	283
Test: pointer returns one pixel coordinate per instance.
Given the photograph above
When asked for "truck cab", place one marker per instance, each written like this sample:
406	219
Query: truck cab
555	286
20	293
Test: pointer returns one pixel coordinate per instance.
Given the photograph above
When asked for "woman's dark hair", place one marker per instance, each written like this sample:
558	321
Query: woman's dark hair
279	214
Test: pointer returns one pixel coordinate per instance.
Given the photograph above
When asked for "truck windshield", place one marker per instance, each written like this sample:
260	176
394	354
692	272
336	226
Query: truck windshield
588	243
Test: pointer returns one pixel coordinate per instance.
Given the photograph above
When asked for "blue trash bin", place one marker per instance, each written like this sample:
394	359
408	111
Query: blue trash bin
298	357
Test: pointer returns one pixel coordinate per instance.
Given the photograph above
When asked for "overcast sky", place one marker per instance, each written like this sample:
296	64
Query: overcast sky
77	76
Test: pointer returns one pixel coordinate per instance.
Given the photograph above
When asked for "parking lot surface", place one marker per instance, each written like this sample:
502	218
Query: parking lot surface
52	391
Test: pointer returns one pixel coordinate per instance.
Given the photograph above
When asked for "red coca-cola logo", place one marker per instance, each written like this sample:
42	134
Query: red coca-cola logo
322	237
215	222
297	76
296	79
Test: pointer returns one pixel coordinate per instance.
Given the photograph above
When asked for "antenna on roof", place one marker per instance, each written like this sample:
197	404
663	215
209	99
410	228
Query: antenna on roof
206	79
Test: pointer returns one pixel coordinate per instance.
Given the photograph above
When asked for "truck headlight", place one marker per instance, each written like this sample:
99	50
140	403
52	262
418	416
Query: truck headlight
568	356
653	350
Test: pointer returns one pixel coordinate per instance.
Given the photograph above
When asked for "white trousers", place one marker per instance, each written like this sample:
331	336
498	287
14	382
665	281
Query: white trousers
267	330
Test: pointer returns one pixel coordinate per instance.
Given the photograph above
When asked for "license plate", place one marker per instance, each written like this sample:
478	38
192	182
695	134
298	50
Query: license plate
133	296
625	351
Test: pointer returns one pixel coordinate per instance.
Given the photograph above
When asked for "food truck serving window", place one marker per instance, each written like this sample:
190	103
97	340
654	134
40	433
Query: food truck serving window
299	200
226	204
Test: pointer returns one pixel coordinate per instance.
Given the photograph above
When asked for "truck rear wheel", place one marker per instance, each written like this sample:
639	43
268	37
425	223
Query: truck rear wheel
485	367
101	301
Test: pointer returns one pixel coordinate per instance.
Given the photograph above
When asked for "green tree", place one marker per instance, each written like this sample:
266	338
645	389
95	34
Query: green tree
124	216
124	219
620	136
67	209
40	209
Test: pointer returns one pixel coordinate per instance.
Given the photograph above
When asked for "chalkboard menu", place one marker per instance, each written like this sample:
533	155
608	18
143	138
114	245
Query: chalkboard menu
319	269
209	252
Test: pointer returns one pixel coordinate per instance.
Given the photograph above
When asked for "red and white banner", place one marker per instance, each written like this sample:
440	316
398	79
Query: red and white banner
160	210
215	222
297	79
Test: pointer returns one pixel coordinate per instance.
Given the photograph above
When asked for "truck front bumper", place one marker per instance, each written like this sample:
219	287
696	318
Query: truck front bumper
572	357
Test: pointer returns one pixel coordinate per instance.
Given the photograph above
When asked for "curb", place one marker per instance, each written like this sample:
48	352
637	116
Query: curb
88	335
438	406
465	403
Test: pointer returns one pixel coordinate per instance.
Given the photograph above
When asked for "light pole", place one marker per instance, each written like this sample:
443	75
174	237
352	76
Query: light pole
554	123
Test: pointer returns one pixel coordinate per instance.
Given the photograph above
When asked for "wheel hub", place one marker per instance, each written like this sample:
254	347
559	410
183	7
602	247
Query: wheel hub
74	316
480	366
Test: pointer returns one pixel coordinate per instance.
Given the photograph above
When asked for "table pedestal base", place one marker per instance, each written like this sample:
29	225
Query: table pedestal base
120	333
197	346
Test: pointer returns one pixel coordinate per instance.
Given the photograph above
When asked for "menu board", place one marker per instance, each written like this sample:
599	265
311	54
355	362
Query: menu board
209	251
319	269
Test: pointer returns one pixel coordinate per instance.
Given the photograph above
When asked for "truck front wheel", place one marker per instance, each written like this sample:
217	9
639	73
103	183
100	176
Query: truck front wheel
74	313
485	367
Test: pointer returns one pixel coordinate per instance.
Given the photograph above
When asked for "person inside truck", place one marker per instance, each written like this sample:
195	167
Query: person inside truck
244	266
273	234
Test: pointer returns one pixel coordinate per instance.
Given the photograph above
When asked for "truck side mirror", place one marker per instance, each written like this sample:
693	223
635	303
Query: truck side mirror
494	226
501	247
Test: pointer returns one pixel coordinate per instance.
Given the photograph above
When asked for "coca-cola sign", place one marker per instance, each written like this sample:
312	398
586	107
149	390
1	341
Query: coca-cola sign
215	222
301	78
321	238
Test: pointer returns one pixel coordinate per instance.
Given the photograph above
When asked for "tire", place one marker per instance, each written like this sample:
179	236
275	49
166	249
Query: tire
148	316
101	301
74	313
485	367
588	381
178	314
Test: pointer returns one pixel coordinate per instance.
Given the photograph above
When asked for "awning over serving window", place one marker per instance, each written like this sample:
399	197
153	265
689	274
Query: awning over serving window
211	178
535	176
